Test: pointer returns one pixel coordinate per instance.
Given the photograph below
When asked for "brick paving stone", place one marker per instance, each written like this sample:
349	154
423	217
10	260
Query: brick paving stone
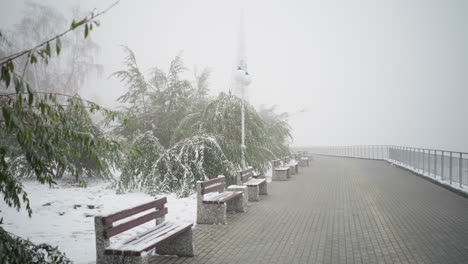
341	210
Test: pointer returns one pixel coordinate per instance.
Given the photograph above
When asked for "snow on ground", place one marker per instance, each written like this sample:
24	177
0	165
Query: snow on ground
64	215
438	178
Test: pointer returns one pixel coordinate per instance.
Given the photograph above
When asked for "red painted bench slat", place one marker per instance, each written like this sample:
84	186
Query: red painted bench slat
212	181
133	223
159	203
159	234
219	186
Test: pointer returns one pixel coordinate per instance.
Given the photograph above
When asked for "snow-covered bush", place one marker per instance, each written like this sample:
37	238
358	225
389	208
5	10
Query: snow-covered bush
197	158
265	138
14	249
177	169
188	136
139	164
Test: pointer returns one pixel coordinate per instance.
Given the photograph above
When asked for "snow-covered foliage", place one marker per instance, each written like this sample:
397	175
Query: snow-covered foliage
139	165
14	249
191	160
150	167
178	135
265	137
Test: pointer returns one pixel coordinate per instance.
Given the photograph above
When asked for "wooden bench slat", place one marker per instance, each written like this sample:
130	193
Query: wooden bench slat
148	240
133	223
248	171
218	186
132	211
212	181
155	234
234	195
255	182
145	234
246	174
222	197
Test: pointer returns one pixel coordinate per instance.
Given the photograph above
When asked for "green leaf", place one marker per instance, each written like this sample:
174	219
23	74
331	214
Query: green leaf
33	59
29	88
20	87
42	106
96	23
86	31
47	49
11	66
30	98
6	76
77	24
58	45
6	115
20	100
137	152
12	117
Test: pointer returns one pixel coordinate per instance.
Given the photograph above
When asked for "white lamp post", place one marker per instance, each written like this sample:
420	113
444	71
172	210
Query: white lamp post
243	79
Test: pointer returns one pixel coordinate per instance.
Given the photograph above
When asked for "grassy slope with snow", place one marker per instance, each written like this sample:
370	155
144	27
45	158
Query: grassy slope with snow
68	222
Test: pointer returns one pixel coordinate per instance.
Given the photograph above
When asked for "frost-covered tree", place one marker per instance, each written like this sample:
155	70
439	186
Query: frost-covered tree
196	158
179	135
148	166
65	74
278	130
45	134
160	101
265	135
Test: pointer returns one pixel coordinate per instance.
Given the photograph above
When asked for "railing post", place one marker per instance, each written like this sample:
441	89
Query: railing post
410	158
450	169
419	160
429	162
435	163
407	156
460	171
424	160
442	170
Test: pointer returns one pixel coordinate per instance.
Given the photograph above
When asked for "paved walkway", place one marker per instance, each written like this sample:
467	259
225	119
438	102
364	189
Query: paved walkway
342	210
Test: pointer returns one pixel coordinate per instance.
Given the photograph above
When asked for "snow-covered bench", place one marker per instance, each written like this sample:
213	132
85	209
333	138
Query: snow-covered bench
304	161
213	200
279	172
168	238
293	164
255	186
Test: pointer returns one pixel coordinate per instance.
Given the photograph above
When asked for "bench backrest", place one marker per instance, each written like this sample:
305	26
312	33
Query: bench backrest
213	185
159	211
245	175
276	163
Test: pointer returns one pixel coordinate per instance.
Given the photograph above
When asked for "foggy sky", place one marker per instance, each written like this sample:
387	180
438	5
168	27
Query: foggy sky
367	72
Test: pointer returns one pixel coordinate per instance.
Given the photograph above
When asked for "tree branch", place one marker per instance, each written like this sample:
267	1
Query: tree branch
93	17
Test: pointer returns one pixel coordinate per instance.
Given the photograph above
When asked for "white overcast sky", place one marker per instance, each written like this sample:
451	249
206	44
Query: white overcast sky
367	72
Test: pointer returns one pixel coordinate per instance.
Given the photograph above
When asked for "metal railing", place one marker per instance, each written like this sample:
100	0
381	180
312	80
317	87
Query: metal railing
448	167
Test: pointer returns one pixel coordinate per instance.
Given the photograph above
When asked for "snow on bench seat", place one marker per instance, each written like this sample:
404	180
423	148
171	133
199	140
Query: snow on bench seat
213	200
221	197
167	238
254	182
256	186
147	240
